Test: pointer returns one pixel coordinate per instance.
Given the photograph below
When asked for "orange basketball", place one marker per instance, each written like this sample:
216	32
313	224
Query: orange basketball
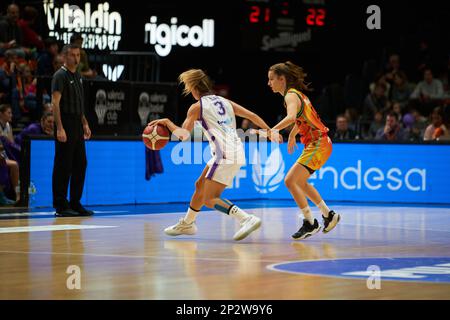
155	137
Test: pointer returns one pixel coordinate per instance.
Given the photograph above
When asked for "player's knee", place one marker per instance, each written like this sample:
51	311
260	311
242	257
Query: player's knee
289	182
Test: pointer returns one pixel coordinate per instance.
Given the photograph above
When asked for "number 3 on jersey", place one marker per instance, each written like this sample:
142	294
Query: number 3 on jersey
221	110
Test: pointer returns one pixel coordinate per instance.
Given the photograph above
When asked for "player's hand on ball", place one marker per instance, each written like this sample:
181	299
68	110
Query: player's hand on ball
162	122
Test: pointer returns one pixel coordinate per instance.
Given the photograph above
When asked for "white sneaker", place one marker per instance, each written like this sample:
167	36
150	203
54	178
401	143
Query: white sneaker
181	228
248	225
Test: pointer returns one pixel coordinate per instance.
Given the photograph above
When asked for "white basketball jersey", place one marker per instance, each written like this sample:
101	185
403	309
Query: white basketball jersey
219	125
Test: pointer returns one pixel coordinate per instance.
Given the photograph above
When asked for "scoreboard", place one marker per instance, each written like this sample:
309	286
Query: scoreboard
282	25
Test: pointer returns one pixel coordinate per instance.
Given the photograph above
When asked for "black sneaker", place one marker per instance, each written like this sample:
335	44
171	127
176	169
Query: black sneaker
307	230
82	211
66	213
330	222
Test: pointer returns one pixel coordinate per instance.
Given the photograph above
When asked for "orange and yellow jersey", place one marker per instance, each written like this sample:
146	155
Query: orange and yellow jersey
308	121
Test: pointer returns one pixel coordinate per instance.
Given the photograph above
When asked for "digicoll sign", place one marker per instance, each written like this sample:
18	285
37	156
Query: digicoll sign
164	36
354	172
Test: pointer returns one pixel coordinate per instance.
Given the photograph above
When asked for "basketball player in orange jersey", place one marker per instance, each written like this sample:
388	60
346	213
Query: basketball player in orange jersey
288	80
217	116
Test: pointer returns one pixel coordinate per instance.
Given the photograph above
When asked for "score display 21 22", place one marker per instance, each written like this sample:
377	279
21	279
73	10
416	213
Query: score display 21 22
266	12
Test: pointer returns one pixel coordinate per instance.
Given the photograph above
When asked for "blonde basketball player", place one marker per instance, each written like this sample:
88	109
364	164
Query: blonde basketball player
287	79
217	116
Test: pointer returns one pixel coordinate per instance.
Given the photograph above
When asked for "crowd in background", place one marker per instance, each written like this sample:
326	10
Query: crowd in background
395	106
25	108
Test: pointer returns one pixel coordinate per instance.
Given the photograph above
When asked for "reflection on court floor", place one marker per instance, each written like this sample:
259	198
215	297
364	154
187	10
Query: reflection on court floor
376	252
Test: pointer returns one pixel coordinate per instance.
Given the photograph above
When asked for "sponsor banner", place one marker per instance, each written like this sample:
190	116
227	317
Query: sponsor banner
354	172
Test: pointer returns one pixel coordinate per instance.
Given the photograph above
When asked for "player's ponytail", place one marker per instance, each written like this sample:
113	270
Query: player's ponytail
294	74
195	79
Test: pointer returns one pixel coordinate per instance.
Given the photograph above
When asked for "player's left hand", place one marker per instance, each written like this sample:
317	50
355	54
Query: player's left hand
162	122
292	145
87	132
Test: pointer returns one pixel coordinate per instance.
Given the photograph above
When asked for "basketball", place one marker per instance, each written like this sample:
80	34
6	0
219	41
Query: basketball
155	137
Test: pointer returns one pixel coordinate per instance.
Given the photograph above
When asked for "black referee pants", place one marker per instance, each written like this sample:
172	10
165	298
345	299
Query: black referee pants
69	164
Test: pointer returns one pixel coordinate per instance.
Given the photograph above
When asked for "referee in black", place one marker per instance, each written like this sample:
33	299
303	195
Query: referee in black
72	129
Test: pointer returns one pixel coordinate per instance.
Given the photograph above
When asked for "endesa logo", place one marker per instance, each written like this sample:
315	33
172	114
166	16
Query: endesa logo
372	178
164	36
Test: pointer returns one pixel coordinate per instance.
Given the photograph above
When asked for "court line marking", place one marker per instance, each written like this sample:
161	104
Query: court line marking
59	227
135	257
46	213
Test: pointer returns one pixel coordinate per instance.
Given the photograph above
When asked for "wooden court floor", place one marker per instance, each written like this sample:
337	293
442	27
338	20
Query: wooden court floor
129	257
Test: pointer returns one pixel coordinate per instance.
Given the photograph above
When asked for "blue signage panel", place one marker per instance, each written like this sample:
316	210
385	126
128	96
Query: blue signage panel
354	172
416	269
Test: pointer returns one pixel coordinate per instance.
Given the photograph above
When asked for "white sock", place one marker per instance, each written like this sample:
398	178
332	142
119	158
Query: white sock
323	207
238	213
308	214
190	215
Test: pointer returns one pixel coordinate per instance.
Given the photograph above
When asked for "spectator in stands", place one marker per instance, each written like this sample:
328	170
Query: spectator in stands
392	130
437	130
47	108
397	109
10	33
401	89
8	80
31	39
27	89
343	132
376	125
424	56
428	92
58	62
45	127
5	119
376	101
83	67
392	67
416	124
380	78
353	120
6	138
46	60
5	182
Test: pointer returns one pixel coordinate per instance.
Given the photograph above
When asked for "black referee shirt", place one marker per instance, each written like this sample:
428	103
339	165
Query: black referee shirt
70	85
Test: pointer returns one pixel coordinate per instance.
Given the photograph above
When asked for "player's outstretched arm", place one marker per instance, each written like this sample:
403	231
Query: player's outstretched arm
291	106
242	112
